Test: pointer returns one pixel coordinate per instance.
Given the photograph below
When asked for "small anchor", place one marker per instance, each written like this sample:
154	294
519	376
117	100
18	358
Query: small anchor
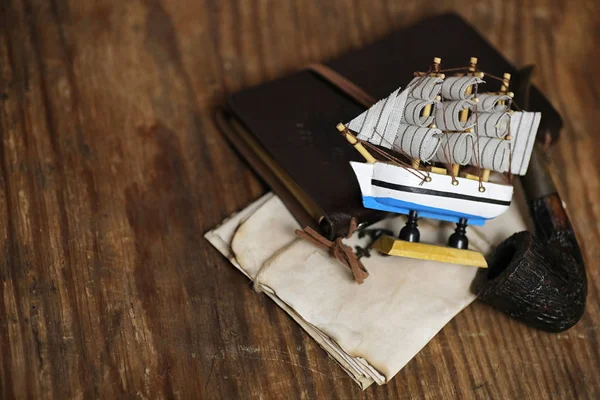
373	235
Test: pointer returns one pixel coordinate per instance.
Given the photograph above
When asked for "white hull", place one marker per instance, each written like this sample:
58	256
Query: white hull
396	189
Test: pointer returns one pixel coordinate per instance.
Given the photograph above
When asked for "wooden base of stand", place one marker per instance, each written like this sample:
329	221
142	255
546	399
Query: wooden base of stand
423	251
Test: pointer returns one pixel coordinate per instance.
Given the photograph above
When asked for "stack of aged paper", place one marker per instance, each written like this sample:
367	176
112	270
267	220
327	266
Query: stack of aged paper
373	329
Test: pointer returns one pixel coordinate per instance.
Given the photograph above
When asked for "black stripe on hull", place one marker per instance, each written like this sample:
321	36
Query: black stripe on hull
410	189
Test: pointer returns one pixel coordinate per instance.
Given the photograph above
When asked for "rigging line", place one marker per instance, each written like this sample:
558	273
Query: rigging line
476	152
446	144
477	159
389	156
382	137
492	76
508	105
513	102
510	174
502	80
454	69
425	179
448	160
393	159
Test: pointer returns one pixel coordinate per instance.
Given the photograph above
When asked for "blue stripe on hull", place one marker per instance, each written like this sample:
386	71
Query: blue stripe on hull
403	207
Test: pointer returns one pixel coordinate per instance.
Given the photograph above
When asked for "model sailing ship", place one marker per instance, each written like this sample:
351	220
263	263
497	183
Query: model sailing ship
458	151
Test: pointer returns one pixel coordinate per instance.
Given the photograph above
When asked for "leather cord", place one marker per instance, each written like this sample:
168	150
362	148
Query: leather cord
338	250
340	82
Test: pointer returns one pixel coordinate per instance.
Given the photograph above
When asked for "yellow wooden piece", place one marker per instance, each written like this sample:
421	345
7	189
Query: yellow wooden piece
504	87
505	82
455	169
431	252
435	70
485	175
427	110
469	176
464	114
436	170
357	145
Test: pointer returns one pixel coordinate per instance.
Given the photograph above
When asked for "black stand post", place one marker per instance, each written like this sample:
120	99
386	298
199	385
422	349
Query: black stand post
459	238
410	232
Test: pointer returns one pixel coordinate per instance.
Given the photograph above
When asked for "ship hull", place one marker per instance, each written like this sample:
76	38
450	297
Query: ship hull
397	189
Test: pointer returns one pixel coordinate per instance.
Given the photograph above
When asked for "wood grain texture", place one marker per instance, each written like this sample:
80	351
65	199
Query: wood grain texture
111	170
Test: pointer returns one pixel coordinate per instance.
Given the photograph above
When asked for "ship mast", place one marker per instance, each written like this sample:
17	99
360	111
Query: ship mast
504	90
435	68
464	114
356	143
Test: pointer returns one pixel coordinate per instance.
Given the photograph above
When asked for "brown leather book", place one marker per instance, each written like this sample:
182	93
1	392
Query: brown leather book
286	128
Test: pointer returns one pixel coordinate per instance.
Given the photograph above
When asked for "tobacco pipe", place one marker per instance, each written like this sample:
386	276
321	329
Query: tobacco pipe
540	280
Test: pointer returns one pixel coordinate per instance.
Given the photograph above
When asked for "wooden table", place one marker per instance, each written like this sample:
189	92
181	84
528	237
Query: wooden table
112	170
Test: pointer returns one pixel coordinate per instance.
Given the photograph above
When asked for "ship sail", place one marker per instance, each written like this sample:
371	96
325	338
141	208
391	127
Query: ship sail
457	88
418	142
425	87
379	124
493	103
523	129
493	154
413	113
397	122
448	117
455	148
501	141
492	124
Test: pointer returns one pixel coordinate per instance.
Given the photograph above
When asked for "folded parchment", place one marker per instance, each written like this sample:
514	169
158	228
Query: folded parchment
403	301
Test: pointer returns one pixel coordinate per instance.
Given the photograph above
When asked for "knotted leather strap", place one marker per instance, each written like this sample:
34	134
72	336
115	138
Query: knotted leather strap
337	249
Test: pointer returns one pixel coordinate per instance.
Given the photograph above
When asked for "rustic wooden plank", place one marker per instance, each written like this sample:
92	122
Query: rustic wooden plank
112	170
